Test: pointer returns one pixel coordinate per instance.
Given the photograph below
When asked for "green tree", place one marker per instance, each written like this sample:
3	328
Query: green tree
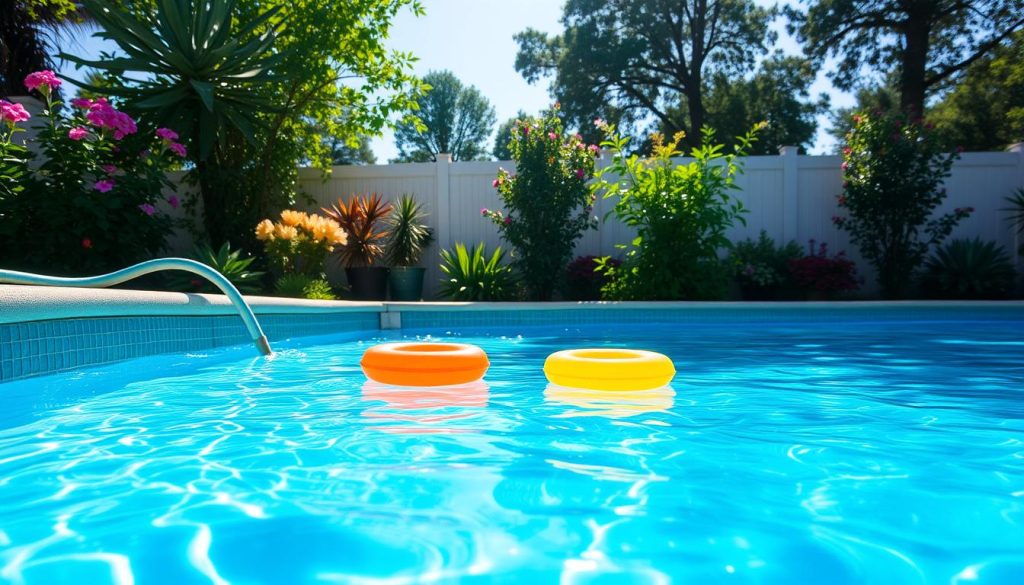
881	99
28	29
336	78
779	94
344	153
457	120
503	137
630	60
925	43
985	111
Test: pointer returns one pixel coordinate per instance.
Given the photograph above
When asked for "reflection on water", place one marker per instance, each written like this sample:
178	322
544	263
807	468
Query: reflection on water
608	403
425	410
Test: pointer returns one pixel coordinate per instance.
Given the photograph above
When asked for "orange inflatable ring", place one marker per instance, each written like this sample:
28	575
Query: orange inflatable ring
424	364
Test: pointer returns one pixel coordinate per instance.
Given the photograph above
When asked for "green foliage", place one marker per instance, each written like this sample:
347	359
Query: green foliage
893	170
985	111
629	60
473	276
409	235
334	77
779	93
548	204
880	100
28	30
458	120
969	269
303	286
923	44
762	264
504	136
362	218
228	262
1016	217
343	153
680	212
197	65
83	206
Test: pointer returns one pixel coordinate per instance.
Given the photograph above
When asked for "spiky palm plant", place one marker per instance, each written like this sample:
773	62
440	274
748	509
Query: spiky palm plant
969	269
361	218
473	276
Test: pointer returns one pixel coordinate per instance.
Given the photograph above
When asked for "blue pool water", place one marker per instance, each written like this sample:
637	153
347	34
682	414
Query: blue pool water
812	453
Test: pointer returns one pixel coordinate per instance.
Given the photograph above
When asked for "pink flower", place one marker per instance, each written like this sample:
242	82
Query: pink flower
599	122
173	201
13	113
109	169
495	183
83	103
147	209
103	115
580	174
484	211
77	133
103	185
178	149
507	220
167	134
526	130
847	151
45	79
86	243
594	148
844	166
552	136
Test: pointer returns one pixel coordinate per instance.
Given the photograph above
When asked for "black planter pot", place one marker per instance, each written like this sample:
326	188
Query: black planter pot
369	283
406	283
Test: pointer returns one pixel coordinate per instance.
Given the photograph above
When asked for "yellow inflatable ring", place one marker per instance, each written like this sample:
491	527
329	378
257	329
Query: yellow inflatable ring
424	364
609	369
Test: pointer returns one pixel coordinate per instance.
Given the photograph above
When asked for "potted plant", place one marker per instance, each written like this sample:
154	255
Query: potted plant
361	217
409	238
821	276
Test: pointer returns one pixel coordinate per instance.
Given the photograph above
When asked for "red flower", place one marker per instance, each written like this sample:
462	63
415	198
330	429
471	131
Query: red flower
86	243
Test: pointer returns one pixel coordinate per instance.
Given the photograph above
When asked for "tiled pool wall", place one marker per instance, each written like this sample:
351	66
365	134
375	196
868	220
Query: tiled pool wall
51	346
38	345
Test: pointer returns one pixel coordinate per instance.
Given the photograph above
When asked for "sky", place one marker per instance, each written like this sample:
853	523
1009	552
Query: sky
473	39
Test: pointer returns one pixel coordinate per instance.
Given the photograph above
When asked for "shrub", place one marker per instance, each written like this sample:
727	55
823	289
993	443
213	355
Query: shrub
680	213
969	269
817	272
547	201
893	169
761	265
303	286
300	242
473	276
409	235
584	277
361	218
89	201
225	261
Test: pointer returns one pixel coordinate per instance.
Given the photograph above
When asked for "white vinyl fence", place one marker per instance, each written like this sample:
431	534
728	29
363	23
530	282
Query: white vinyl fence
790	196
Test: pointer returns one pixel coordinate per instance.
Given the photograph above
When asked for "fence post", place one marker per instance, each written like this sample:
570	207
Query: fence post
444	198
790	199
1018	240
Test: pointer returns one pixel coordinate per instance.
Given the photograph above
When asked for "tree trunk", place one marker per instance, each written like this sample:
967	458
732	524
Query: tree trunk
914	62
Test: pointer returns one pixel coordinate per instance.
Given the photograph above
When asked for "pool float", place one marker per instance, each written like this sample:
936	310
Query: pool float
609	369
424	364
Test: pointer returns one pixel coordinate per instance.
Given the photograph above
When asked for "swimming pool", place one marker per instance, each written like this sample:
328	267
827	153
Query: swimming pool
818	452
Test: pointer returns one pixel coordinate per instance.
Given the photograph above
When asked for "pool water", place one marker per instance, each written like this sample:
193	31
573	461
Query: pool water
789	453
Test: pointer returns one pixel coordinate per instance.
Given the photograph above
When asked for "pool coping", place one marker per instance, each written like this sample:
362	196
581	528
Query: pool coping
21	304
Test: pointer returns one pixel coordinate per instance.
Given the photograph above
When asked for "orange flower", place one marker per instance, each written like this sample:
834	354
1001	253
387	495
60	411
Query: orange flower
293	218
265	230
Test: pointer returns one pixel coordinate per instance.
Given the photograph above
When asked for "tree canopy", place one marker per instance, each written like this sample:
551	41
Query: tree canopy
503	137
926	44
632	60
457	120
985	111
778	93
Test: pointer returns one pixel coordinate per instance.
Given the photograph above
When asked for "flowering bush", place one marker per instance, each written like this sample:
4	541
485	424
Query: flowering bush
300	242
584	277
680	212
818	272
548	204
761	267
90	200
893	170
